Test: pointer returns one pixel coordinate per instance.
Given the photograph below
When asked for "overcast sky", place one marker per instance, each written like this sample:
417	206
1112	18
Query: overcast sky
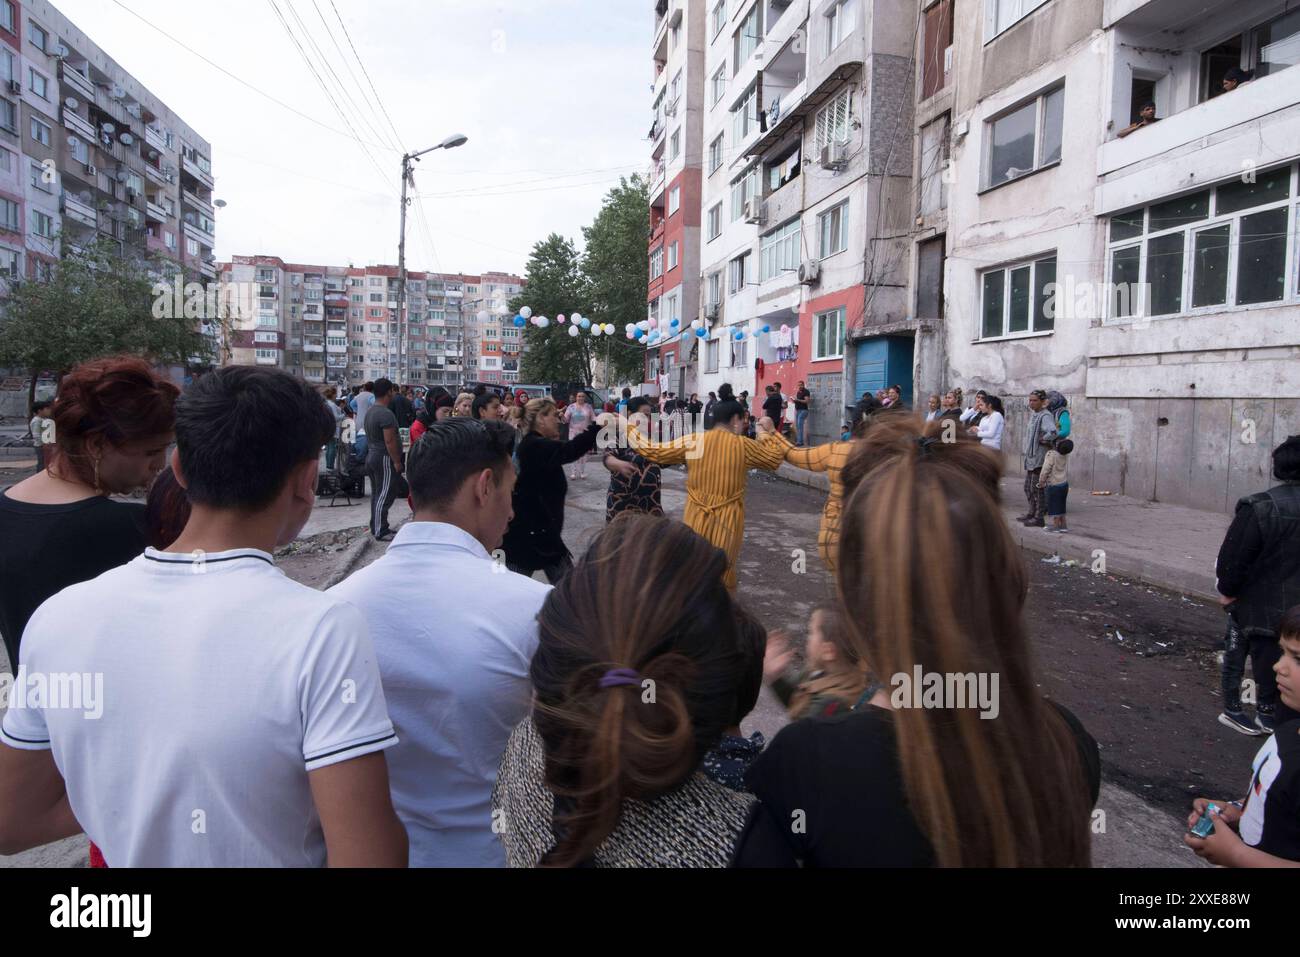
553	95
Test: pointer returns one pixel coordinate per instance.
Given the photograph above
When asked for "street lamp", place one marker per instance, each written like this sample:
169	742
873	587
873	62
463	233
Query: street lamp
408	159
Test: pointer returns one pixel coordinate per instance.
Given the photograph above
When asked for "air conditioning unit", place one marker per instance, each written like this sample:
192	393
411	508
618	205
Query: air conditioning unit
755	211
15	86
711	311
834	156
810	272
92	169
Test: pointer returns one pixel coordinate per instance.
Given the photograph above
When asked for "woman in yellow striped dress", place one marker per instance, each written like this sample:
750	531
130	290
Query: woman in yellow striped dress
717	470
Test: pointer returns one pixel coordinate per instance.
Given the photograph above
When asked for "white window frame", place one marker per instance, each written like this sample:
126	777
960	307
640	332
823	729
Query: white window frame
1032	263
825	221
714	221
714	288
33	30
1017	10
12	224
744	115
1039	104
41	125
657	262
39	217
7	18
716	149
781	250
1142	309
818	326
710	355
674	200
675	144
673	255
718	88
32	78
738	273
719	14
743	190
741	39
841	21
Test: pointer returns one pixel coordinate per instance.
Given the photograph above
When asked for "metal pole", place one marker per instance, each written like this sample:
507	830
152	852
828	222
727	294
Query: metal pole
401	275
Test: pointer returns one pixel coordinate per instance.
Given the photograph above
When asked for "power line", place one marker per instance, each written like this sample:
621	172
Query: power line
366	73
346	63
237	79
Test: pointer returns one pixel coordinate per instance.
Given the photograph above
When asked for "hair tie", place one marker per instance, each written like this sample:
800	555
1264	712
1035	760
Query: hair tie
619	676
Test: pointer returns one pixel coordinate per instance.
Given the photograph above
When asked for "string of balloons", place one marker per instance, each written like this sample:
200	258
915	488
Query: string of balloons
649	331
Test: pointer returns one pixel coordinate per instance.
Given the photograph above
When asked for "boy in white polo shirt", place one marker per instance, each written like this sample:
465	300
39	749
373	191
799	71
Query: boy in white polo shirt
239	718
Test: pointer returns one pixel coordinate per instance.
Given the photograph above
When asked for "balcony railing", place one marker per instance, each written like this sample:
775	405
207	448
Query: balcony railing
78	124
155	212
195	170
155	139
154	176
77	81
194	231
194	199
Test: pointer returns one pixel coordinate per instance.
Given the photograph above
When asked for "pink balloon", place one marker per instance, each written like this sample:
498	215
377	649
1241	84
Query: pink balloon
560	317
654	323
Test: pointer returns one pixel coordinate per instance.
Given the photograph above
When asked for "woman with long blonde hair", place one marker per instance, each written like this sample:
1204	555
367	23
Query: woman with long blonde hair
954	757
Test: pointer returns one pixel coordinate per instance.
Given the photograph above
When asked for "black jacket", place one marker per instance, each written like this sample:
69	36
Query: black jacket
402	410
1259	561
534	539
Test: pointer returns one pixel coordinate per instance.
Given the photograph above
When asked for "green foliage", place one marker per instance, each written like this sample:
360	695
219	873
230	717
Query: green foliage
97	302
607	284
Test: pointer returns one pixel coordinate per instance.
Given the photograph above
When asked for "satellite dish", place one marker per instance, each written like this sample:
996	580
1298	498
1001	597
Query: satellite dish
153	153
220	203
127	139
72	103
109	128
118	92
73	142
122	175
63	49
85	197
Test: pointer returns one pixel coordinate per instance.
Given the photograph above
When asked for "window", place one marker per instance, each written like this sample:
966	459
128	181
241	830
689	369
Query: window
711	355
714	287
38	84
1018	299
748	37
7	15
40	132
672	256
841	18
736	273
719	17
675	144
192	247
1277	44
744	115
783	169
718	85
1025	139
674	308
715	155
937	61
266	337
675	89
8	116
739	353
10	266
828	334
6	66
674	200
715	222
833	230
780	251
742	191
832	124
42	224
933	195
675	37
656	262
1218	248
44	269
9	215
39	179
169	239
38	37
1001	14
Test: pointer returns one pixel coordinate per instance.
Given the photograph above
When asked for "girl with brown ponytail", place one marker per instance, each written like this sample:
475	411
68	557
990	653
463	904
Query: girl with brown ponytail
641	662
1006	782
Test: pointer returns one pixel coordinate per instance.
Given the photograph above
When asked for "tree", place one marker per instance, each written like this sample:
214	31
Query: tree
607	284
98	302
554	285
616	266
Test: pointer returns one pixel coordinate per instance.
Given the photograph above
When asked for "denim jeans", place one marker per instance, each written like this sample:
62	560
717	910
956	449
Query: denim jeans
801	424
1264	652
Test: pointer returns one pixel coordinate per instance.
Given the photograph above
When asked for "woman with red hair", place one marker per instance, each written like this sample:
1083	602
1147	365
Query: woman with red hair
113	422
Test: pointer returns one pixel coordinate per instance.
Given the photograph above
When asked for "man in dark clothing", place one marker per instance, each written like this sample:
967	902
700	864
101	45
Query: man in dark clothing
1038	435
383	459
402	408
708	410
802	400
1259	576
772	405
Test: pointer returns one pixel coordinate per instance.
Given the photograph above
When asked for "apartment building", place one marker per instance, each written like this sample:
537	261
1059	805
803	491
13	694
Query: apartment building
86	151
338	324
1154	278
498	345
676	160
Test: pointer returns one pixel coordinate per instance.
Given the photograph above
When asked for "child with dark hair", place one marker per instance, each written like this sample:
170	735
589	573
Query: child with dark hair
1263	828
728	762
1052	479
832	679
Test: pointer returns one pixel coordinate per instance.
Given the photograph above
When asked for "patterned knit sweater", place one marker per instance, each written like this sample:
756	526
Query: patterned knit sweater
695	825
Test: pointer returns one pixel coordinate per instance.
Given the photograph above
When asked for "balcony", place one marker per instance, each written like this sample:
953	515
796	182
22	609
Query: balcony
198	202
317	347
192	168
796	106
84	213
78	124
156	212
155	176
1215	140
336	350
77	81
155	139
268	360
195	231
208	269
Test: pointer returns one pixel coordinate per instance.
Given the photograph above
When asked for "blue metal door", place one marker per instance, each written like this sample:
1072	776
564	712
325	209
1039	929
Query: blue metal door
882	362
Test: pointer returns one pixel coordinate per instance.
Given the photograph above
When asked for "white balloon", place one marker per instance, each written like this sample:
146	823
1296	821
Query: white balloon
574	330
484	315
644	325
543	322
629	327
575	317
697	324
595	330
526	312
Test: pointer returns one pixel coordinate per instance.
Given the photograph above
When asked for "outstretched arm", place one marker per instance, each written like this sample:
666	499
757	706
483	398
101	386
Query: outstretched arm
816	459
767	452
660	453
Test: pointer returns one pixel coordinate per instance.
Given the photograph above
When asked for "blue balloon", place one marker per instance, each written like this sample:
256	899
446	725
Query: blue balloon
520	321
585	323
675	323
766	330
701	333
738	336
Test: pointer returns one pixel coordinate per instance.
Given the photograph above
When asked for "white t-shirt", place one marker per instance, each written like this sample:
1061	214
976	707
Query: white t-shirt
454	634
364	401
990	430
223	684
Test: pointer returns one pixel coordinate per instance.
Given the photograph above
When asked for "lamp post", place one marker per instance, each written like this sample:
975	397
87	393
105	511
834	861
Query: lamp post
408	161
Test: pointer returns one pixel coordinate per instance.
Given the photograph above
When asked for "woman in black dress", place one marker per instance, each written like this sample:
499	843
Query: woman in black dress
634	482
535	538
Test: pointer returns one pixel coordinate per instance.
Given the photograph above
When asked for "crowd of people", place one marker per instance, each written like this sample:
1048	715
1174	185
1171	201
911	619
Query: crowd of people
592	721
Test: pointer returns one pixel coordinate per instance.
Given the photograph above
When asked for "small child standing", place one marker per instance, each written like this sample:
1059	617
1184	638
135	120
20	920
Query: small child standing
832	680
1053	480
42	428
